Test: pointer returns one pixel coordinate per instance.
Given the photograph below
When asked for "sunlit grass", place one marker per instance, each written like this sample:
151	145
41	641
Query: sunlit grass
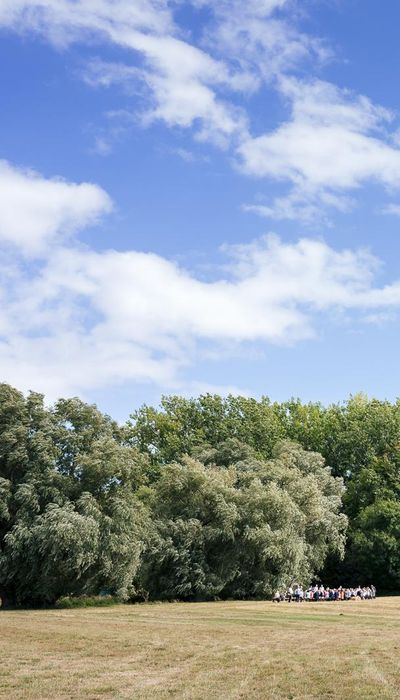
229	650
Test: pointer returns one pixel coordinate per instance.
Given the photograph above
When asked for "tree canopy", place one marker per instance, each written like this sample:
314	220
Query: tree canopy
243	527
70	519
201	498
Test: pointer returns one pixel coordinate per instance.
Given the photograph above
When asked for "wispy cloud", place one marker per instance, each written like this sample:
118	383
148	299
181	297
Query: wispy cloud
333	143
391	209
181	78
261	37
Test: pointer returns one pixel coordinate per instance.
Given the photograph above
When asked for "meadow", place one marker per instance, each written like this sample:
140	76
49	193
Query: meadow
224	650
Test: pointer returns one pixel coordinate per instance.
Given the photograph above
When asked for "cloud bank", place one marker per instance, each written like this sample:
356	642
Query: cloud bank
76	319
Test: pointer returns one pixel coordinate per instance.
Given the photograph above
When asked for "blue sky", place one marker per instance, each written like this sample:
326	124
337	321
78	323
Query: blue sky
199	196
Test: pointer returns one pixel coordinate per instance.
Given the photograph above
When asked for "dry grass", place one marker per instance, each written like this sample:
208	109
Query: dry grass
346	651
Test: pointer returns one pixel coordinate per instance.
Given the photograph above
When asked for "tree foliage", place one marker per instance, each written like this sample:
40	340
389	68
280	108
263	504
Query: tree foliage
201	498
359	439
70	519
229	524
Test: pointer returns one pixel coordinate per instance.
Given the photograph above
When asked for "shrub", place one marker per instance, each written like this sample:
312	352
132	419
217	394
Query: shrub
83	601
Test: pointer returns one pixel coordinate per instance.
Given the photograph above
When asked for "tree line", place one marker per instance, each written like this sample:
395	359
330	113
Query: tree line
198	499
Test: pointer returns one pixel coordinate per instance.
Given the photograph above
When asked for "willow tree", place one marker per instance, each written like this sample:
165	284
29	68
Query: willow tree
243	527
70	520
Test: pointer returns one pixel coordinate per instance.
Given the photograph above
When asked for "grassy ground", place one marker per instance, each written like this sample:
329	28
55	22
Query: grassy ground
224	651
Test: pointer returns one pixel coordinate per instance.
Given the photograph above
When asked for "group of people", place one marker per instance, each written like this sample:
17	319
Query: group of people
299	594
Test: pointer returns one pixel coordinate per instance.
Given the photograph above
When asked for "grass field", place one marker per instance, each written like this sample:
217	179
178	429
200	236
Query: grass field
205	650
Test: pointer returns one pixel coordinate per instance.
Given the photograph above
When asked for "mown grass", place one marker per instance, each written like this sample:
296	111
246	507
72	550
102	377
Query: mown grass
228	650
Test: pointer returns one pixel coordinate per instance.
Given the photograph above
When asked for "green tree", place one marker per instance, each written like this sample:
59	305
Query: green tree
375	544
182	425
234	525
70	519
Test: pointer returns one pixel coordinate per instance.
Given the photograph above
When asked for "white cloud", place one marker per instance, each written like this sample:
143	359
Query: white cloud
34	211
182	80
181	77
303	206
265	43
334	142
392	209
261	8
86	319
98	73
63	21
190	85
81	319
